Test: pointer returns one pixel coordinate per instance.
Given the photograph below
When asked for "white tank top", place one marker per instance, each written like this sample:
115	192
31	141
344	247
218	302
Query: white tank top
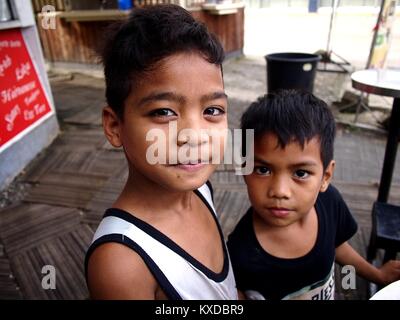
179	274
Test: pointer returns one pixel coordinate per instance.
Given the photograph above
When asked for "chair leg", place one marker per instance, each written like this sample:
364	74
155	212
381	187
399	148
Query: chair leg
371	252
389	255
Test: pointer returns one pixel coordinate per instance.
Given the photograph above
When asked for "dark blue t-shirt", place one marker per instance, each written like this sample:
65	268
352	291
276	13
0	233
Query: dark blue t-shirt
263	276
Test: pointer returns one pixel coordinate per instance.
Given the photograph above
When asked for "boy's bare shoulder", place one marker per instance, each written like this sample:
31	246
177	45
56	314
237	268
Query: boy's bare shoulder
117	272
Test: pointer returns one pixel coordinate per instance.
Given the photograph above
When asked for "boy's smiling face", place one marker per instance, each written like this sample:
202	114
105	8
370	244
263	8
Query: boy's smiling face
183	91
285	182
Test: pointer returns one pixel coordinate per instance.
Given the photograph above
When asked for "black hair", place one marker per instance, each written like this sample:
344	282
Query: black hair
134	46
293	116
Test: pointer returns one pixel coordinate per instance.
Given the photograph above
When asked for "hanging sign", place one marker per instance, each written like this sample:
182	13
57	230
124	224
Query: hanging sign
23	100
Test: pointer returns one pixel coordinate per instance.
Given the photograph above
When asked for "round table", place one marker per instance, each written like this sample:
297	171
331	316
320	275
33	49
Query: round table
390	292
384	82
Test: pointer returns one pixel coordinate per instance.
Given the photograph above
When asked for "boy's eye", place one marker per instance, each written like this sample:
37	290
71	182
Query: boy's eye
214	111
301	174
164	112
263	171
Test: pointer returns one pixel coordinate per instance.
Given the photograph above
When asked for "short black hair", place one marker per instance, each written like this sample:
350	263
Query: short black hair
293	115
134	46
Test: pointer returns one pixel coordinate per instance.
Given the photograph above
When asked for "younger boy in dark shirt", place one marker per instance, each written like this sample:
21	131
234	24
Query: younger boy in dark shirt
286	244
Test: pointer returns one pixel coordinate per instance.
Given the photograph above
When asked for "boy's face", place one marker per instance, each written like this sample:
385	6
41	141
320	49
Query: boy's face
285	182
166	118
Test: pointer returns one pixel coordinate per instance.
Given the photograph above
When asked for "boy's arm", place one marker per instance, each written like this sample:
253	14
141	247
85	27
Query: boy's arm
241	295
117	272
389	272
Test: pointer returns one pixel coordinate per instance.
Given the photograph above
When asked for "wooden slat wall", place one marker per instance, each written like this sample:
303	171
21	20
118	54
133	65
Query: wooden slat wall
60	6
72	41
184	3
229	28
139	3
39	4
77	41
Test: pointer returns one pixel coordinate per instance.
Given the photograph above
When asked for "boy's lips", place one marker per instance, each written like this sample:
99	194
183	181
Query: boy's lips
279	212
190	166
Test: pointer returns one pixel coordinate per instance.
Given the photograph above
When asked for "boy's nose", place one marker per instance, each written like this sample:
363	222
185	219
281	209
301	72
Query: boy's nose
192	137
191	131
279	188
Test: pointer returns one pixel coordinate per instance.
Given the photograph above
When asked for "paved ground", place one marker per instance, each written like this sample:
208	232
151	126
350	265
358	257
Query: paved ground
51	210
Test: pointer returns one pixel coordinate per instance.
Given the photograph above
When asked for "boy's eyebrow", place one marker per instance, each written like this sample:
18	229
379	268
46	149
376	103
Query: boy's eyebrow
170	96
213	96
257	159
299	164
305	164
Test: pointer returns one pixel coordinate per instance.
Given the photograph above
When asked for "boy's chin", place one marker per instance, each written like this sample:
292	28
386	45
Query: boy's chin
188	184
187	181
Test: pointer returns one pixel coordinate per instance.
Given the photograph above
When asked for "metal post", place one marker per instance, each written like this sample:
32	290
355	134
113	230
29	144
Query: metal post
335	4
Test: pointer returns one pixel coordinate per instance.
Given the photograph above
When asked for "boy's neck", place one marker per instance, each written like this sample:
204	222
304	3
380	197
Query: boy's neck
143	193
291	241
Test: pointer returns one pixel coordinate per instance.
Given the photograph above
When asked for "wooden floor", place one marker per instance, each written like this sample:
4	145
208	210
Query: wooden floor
68	187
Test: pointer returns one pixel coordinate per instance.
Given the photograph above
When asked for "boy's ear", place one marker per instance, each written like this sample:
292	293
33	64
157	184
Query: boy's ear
328	175
111	127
